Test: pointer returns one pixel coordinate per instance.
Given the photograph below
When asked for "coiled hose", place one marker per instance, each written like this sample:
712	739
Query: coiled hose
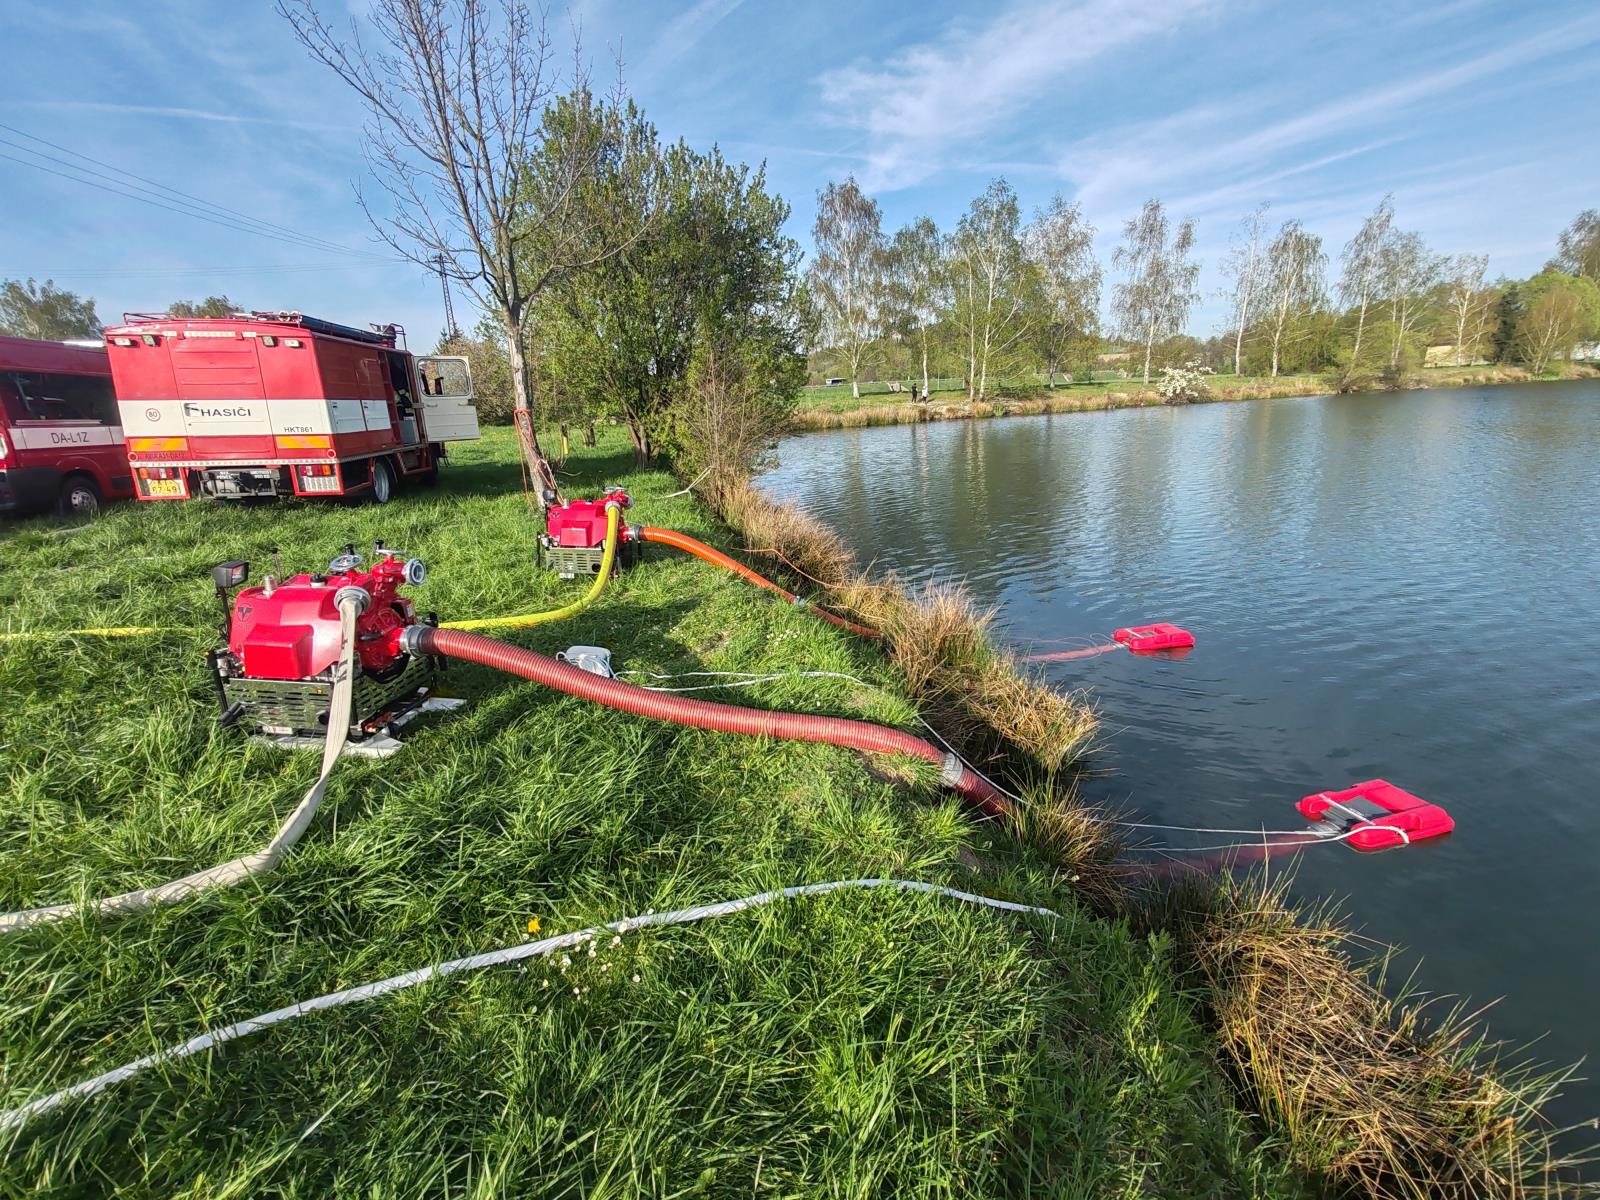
607	558
689	545
706	714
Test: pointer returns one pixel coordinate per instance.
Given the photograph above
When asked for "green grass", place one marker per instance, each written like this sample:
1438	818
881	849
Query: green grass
851	1045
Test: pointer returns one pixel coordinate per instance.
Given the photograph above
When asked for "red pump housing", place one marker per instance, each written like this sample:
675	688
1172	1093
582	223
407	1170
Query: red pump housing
582	523
1378	815
292	631
1145	639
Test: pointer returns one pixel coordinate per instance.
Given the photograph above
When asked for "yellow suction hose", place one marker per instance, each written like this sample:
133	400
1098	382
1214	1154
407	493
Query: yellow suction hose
613	530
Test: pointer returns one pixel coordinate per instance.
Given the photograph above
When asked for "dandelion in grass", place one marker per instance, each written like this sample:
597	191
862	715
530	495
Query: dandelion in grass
533	924
616	941
636	979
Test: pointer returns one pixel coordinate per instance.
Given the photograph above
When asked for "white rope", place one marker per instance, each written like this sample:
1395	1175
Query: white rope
229	873
690	488
1367	822
17	1117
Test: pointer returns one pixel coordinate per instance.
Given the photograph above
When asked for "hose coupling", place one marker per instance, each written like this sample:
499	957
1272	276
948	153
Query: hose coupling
951	771
634	533
411	640
350	594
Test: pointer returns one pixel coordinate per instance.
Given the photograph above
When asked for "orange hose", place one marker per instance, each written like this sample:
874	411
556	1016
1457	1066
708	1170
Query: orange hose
689	545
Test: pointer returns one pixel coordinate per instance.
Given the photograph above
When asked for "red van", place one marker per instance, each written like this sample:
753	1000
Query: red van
60	436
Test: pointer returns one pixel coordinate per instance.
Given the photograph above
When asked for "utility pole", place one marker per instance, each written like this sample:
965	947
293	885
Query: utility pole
450	330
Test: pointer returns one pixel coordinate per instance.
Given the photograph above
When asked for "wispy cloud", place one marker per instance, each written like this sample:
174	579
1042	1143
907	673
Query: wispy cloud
1123	164
171	112
931	100
685	31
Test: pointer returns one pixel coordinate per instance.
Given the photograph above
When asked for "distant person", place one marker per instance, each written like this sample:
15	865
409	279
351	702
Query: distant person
913	393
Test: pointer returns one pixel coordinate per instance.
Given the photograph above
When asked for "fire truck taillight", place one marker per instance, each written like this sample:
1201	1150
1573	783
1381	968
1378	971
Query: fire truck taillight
318	478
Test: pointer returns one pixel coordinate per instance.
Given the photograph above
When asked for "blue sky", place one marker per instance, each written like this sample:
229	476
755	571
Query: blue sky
1479	116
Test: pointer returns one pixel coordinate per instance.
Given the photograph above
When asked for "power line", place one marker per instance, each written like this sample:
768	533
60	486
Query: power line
223	210
176	272
131	191
182	212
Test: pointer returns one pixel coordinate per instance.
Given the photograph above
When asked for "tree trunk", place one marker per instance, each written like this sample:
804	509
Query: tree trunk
1361	324
642	452
1149	345
542	477
855	388
924	364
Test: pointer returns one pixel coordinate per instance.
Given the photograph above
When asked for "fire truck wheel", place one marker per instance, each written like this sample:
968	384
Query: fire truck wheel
79	497
382	481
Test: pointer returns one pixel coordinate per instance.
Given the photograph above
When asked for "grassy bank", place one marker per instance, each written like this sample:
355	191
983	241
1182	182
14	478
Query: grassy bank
835	409
855	1044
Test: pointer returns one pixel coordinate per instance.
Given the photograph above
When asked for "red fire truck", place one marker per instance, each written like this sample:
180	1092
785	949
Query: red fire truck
60	444
277	404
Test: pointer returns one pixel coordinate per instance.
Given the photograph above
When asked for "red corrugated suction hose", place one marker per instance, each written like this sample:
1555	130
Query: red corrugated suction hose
689	545
704	714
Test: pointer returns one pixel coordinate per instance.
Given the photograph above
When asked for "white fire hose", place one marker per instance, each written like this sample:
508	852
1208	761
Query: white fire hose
14	1119
352	602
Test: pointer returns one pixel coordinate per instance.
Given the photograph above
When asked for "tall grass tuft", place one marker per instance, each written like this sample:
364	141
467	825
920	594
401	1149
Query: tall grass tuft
1375	1095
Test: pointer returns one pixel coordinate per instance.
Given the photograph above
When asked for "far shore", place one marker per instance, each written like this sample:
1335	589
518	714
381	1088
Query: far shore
1131	394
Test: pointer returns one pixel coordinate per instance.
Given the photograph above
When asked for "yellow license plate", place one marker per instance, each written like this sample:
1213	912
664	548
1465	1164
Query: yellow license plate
165	487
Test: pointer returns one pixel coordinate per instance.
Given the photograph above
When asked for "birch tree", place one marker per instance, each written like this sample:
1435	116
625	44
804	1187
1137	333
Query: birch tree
1361	260
1243	266
849	273
1294	277
1408	274
918	286
1469	301
1060	245
1155	299
1579	252
455	92
1549	329
990	272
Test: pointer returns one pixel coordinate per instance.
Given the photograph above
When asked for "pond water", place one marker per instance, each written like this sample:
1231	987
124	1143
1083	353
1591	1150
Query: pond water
1396	586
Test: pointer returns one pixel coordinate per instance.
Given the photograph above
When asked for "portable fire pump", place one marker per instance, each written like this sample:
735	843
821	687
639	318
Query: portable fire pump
575	536
274	675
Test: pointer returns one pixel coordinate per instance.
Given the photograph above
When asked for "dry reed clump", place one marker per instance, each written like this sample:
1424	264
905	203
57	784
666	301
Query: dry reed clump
1366	1092
938	640
789	534
1080	844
